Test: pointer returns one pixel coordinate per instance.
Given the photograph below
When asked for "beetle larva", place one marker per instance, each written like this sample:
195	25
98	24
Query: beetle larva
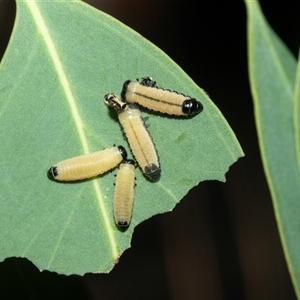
147	94
137	135
87	165
124	193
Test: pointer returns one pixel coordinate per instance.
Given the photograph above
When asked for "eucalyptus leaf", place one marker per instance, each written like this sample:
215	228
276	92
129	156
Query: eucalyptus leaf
63	57
272	70
297	112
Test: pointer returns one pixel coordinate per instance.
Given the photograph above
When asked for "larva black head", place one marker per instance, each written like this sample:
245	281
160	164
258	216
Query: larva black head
123	225
129	161
148	81
124	89
152	172
52	172
191	107
122	151
113	101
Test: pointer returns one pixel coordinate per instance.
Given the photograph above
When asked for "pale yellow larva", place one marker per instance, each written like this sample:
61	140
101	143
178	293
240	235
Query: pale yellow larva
147	94
137	135
88	165
124	193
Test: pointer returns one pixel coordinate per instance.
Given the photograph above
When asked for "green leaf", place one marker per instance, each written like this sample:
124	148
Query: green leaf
272	70
63	57
297	113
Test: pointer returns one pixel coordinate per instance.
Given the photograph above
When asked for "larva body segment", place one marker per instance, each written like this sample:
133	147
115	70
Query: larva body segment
140	141
88	165
124	193
147	94
137	135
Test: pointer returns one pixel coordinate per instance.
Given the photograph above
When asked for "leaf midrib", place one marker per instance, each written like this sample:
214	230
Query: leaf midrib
63	80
